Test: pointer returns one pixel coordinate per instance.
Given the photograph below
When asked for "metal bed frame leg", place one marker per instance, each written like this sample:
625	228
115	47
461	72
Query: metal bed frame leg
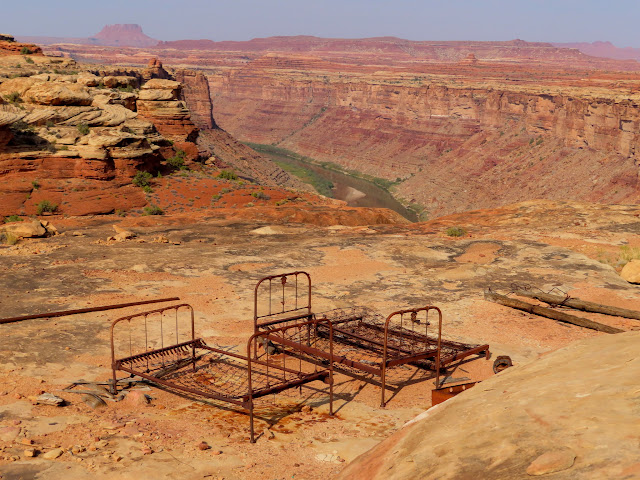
253	436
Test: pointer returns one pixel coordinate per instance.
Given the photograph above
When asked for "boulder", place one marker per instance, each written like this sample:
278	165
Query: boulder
88	79
57	93
53	454
19	85
631	271
24	229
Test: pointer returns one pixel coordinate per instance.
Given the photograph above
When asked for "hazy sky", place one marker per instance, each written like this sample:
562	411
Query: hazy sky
532	20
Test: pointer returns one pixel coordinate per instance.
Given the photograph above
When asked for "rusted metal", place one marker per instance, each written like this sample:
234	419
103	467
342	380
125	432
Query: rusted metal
501	363
86	310
193	367
411	358
363	340
439	395
293	306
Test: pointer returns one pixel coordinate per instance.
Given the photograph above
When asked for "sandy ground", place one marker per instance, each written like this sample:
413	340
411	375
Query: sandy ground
213	265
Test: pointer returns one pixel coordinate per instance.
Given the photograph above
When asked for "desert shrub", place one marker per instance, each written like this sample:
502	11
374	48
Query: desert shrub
46	206
35	184
456	231
25	51
250	204
215	198
284	201
628	253
141	179
225	190
13	97
49	124
13	218
83	128
153	210
128	88
28	60
260	195
22	127
227	175
177	161
147	189
8	238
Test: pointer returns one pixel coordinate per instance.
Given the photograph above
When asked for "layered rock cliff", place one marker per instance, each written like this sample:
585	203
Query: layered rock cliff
443	133
75	136
455	125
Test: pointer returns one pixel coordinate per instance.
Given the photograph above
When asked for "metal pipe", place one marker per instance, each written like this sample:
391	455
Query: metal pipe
85	310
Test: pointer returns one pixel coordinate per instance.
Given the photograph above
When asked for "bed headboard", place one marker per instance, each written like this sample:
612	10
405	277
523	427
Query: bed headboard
282	298
155	337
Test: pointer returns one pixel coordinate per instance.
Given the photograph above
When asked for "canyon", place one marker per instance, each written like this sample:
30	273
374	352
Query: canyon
447	126
516	156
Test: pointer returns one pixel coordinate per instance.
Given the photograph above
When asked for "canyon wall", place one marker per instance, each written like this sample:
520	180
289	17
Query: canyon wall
424	130
453	125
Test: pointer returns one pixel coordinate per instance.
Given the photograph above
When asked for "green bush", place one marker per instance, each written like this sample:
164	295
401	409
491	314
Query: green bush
28	60
22	127
456	232
141	179
177	161
128	89
35	184
284	201
227	175
8	238
25	51
13	218
147	189
46	206
13	97
153	210
260	195
83	128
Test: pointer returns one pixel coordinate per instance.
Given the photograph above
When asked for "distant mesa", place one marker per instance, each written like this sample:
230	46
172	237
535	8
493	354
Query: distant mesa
127	35
603	49
118	35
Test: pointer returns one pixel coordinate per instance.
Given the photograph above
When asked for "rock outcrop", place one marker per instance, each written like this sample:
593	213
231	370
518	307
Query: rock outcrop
501	429
77	139
160	102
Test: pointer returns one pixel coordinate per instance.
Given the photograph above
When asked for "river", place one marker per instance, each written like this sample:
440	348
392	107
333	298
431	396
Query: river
357	192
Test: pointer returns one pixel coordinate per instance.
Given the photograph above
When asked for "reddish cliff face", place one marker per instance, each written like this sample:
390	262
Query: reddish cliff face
456	125
441	132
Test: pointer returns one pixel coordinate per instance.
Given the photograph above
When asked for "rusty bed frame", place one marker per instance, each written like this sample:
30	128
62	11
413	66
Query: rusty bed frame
191	366
358	338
